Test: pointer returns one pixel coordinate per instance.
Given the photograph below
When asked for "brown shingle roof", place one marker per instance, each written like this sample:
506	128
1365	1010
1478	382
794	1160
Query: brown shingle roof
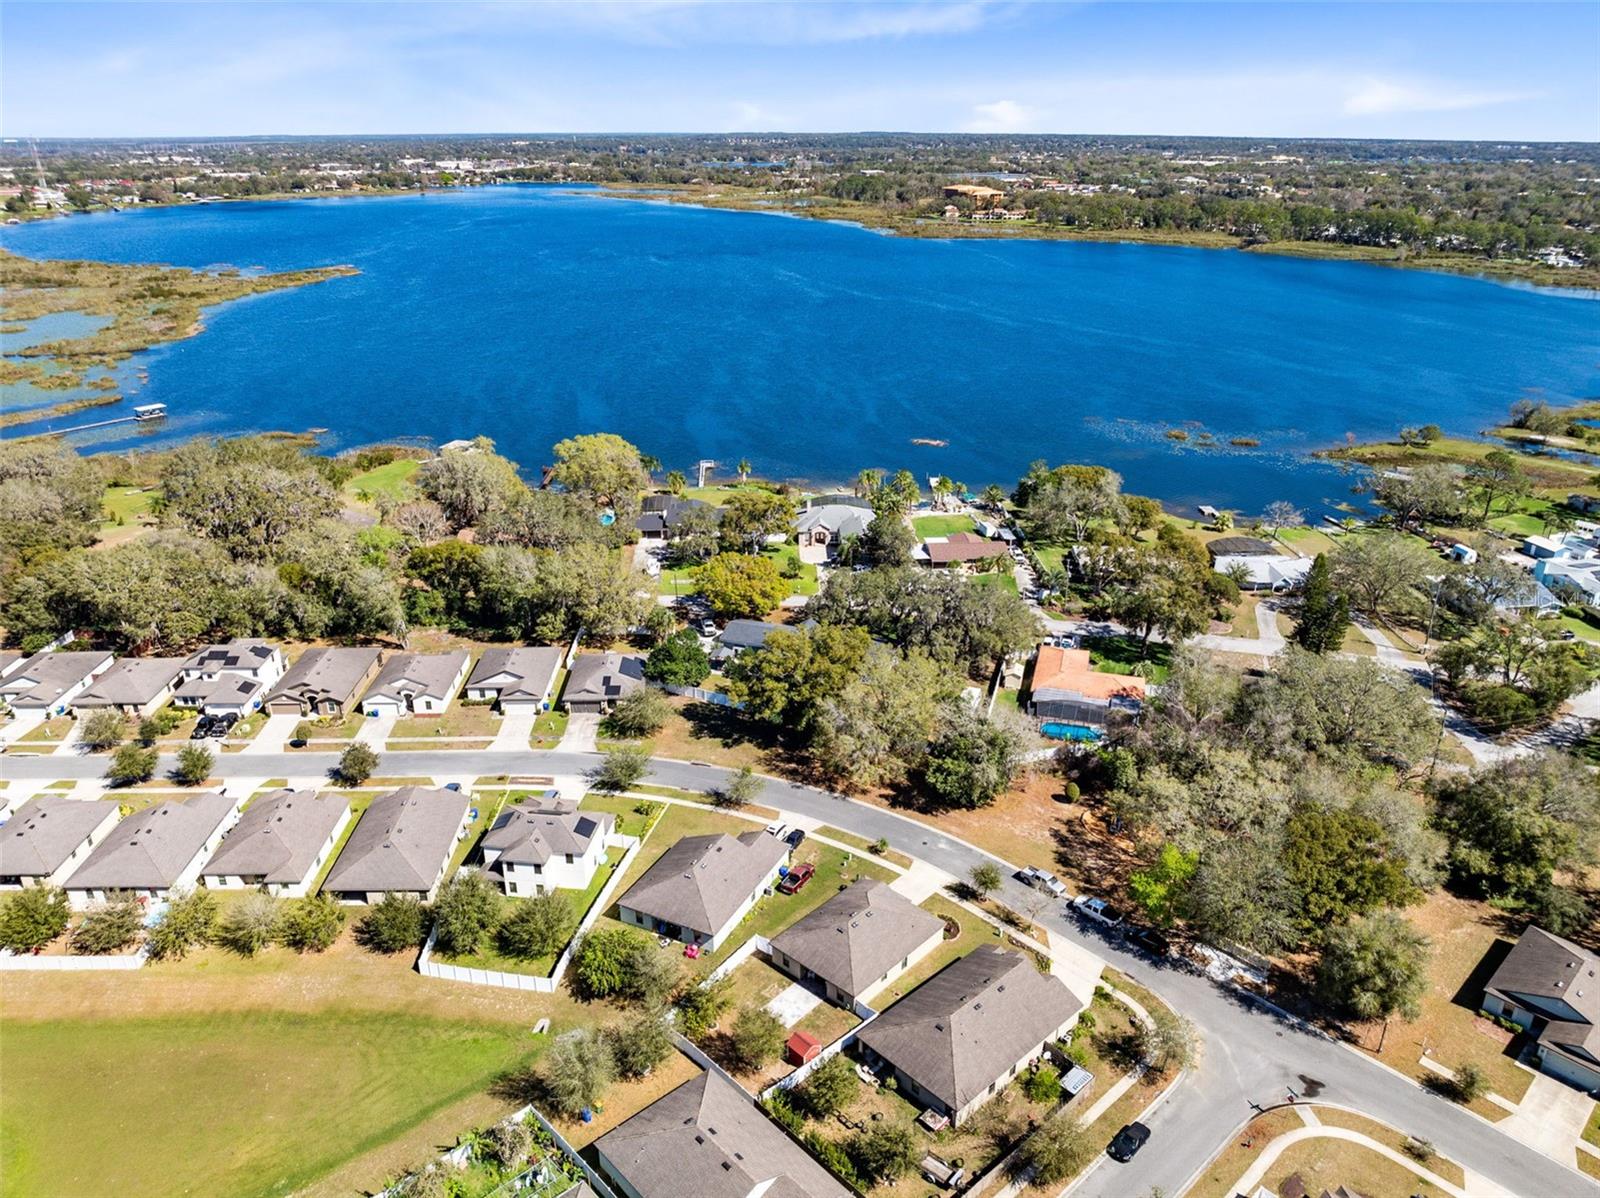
858	935
701	881
39	838
401	843
278	836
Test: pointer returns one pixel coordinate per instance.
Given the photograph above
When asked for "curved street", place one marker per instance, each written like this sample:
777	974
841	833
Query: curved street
1249	1055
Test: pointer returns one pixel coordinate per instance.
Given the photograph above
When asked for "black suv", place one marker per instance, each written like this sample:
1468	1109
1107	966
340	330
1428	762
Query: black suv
1127	1142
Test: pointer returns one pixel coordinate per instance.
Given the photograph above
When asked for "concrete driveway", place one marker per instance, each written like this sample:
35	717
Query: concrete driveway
19	726
375	730
515	731
272	738
1551	1116
580	736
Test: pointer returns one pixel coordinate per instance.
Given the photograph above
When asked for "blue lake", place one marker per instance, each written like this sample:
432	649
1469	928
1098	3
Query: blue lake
529	313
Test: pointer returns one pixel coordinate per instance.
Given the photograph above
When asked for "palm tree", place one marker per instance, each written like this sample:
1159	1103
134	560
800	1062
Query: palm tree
1559	518
993	497
650	462
1054	580
676	482
867	482
744	469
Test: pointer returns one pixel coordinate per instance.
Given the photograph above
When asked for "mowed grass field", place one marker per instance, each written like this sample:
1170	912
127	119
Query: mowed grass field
239	1103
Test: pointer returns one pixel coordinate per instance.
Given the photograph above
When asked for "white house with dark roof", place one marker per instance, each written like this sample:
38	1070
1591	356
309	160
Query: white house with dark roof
700	888
154	851
402	845
49	837
519	679
133	686
857	942
546	844
231	678
47	683
958	1039
825	526
1550	988
280	843
708	1139
417	682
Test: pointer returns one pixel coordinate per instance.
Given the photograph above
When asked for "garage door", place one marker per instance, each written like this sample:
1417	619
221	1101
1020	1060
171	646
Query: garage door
1570	1071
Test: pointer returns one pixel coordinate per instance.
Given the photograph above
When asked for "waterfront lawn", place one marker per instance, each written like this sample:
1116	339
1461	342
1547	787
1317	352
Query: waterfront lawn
391	481
124	506
1309	541
249	1102
942	526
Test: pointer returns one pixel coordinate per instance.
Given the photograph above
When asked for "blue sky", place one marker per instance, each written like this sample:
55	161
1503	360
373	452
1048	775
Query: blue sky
1490	71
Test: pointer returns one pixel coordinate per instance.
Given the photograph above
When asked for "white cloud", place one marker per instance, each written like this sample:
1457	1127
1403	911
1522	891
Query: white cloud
1378	97
1000	116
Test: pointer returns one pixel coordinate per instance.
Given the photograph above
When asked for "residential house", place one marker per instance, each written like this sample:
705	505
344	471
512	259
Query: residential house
1567	544
1263	571
324	682
1580	576
959	549
825	526
49	837
133	686
707	1139
857	942
280	843
1550	988
10	660
154	851
741	635
956	1040
546	844
700	888
48	682
661	516
1067	687
598	680
517	679
417	682
229	679
1240	547
402	845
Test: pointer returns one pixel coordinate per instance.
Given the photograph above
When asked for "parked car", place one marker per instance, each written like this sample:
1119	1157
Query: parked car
1098	910
1151	941
202	727
1126	1143
795	839
794	881
1042	880
708	627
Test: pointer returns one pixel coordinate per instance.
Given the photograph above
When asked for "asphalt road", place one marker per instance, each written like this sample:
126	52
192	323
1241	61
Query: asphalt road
1249	1054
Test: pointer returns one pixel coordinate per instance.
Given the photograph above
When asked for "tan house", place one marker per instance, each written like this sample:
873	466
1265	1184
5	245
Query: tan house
324	682
280	843
49	837
857	942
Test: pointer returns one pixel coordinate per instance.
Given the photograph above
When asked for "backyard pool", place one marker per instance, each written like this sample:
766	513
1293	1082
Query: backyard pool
1059	731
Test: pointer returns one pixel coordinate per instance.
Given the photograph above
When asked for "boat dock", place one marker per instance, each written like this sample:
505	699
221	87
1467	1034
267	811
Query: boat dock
143	414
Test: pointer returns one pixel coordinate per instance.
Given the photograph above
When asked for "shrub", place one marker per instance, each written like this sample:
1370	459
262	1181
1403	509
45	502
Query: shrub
985	876
1419	1149
537	927
108	928
1043	1085
1469	1084
250	924
130	765
641	714
700	1007
882	1152
33	917
622	963
831	1087
393	924
781	1107
152	728
639	1045
311	924
304	730
757	1038
466	908
836	1157
577	1070
103	729
740	790
356	764
1499	708
1057	1150
509	1143
193	766
880	846
186	923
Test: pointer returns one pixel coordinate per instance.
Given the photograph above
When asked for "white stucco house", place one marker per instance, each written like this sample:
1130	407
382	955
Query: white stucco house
280	843
546	844
50	836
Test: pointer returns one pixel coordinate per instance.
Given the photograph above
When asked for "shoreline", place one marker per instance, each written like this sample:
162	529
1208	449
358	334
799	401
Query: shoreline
1565	283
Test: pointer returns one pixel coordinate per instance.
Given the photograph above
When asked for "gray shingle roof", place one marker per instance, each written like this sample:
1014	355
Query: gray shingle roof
45	677
839	519
532	833
749	634
131	682
707	1139
401	843
858	935
701	881
330	673
240	654
223	689
1560	981
603	676
149	849
278	836
422	674
527	671
39	838
964	1027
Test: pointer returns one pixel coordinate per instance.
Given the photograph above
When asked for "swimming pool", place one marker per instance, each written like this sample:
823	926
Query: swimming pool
1059	731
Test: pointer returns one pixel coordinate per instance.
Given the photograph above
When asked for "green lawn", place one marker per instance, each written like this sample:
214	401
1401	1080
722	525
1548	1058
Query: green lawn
678	580
805	582
1120	655
942	526
1310	541
392	481
1006	581
123	505
242	1103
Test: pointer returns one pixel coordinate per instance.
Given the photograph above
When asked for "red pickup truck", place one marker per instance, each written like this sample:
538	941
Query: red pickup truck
796	878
